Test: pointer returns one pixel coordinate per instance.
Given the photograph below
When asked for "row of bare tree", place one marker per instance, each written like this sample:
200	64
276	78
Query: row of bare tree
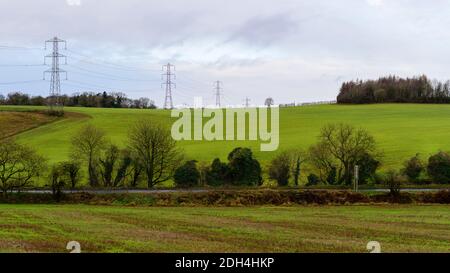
150	154
332	159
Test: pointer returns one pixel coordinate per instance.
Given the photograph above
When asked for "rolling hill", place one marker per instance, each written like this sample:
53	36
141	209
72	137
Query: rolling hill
401	130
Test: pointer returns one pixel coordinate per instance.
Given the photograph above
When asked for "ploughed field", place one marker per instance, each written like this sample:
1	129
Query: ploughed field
13	123
48	228
401	130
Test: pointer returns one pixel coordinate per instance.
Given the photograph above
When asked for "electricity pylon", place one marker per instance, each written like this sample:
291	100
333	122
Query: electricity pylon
218	93
54	102
169	78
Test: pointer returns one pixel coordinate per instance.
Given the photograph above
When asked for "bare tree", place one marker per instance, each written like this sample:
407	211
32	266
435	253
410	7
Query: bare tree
88	143
19	165
321	158
71	169
156	151
346	145
269	102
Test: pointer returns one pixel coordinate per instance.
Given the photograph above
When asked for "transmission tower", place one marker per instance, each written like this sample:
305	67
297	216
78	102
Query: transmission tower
169	77
247	102
54	102
218	89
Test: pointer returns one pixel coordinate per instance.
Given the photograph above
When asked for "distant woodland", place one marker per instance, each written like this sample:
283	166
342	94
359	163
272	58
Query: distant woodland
393	89
85	99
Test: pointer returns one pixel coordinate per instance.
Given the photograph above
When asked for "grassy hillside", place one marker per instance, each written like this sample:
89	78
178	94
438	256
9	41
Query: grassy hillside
401	130
257	229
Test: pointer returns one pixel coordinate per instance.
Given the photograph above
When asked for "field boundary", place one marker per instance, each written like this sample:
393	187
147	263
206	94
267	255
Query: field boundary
231	198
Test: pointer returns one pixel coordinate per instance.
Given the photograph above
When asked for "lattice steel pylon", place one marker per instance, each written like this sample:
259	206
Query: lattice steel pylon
247	102
54	101
218	93
169	78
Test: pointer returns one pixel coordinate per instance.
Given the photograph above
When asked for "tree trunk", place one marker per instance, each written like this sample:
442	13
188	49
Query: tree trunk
297	172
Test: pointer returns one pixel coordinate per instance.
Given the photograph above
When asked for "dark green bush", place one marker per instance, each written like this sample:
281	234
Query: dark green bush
245	170
280	169
218	174
313	180
439	167
187	175
368	166
413	168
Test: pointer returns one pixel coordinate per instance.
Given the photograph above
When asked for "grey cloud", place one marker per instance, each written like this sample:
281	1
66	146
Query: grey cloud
258	47
264	31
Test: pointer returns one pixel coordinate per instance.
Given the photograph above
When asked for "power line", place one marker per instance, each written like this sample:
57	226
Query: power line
19	82
169	78
193	80
107	64
91	85
19	47
100	87
21	65
107	76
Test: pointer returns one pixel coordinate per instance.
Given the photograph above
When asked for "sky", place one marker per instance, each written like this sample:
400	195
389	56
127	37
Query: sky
290	50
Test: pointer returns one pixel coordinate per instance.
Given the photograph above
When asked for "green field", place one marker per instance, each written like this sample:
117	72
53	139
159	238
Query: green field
256	229
401	130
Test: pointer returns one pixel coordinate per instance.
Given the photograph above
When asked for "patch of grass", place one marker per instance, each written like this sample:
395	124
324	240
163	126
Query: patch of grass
48	228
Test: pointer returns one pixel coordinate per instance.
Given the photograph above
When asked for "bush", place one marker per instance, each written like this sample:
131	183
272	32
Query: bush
393	182
313	180
244	169
279	169
439	167
413	168
218	174
57	181
368	166
187	175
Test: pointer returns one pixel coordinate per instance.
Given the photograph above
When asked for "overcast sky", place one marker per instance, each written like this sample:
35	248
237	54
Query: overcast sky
291	50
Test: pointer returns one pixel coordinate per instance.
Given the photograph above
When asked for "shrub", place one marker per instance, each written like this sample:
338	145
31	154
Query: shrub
244	169
218	173
203	168
368	166
439	167
187	175
332	176
413	168
57	181
279	169
392	180
297	157
313	180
